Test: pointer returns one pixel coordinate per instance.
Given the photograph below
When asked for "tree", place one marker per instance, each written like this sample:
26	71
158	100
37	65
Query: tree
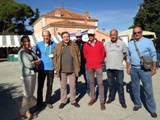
15	17
148	16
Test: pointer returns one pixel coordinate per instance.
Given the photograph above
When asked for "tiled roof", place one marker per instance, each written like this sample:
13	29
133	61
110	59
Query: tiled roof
70	23
64	13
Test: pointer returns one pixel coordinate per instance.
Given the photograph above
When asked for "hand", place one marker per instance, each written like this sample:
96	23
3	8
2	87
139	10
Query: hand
128	71
153	72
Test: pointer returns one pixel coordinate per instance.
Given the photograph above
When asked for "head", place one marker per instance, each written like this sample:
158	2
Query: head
46	36
25	42
103	40
114	35
65	37
137	33
78	36
91	35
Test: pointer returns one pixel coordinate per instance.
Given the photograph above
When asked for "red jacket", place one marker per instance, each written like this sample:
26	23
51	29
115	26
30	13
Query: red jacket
94	55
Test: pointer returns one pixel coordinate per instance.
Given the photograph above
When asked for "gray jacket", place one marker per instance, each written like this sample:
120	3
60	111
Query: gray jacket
26	63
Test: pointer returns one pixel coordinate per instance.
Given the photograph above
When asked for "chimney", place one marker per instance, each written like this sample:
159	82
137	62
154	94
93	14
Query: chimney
86	17
57	12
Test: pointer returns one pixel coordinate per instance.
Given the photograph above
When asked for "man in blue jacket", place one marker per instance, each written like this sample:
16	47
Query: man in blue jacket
44	50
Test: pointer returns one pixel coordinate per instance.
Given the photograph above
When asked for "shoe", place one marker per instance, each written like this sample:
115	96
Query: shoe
136	108
109	101
30	116
75	105
124	105
91	102
154	115
103	107
49	106
61	105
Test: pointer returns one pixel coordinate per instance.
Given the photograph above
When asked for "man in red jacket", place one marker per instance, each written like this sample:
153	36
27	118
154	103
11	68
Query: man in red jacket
94	54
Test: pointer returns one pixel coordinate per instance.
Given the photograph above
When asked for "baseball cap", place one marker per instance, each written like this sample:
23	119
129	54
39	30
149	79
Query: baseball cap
78	33
91	31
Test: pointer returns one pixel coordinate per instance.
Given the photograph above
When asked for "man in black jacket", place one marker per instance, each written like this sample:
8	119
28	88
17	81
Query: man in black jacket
83	71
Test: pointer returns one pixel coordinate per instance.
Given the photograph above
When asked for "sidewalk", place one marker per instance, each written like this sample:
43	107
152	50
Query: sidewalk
11	96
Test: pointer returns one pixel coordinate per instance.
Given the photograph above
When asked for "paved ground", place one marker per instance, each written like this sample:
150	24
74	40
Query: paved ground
11	96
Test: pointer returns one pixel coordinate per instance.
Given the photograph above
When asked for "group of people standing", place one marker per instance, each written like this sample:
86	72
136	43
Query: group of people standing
71	59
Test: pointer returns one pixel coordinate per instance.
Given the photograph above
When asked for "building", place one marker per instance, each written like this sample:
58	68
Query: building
62	19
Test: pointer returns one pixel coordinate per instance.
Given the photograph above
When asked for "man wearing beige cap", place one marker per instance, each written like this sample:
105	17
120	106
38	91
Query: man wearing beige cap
83	71
94	54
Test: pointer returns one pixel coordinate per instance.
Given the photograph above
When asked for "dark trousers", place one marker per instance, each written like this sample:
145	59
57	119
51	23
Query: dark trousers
116	76
41	78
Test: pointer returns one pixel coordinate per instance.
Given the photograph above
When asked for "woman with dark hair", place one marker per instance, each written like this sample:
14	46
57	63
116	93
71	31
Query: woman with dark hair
29	62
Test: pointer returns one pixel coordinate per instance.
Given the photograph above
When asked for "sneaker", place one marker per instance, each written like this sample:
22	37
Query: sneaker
154	115
49	106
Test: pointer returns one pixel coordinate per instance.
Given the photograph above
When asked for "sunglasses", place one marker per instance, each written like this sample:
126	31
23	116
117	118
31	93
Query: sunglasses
90	34
137	33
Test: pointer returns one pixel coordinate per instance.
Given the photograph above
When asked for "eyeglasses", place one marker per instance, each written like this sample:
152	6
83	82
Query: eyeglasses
137	33
90	34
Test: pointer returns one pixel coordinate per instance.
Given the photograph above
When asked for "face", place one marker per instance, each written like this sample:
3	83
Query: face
46	36
91	37
79	38
137	33
114	35
65	38
26	43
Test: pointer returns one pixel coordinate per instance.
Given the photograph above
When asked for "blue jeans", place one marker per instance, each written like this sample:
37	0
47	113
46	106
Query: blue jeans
145	76
119	75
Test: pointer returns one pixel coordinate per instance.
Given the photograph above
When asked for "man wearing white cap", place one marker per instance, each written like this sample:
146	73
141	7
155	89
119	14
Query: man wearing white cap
83	71
94	54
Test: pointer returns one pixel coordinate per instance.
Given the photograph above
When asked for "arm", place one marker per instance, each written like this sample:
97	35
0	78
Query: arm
154	58
25	60
128	67
103	53
128	64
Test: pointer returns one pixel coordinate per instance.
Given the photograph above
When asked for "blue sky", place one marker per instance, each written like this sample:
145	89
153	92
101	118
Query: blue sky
112	14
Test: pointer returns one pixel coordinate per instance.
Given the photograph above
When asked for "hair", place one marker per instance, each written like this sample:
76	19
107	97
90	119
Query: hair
65	32
23	38
46	31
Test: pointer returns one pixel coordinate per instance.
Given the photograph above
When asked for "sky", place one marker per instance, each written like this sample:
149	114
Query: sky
112	14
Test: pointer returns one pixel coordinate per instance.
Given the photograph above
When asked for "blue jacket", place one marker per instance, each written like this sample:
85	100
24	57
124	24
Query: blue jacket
43	51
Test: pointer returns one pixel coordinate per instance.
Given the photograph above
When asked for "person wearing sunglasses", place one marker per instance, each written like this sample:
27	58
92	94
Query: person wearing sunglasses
146	48
94	54
80	43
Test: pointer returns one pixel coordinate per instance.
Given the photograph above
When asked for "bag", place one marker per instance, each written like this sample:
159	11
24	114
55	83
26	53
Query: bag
146	62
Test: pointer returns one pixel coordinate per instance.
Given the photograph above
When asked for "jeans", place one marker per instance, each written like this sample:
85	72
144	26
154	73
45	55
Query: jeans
119	75
99	75
41	77
145	76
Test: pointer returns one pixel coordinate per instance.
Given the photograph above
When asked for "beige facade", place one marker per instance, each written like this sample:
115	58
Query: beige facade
61	20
